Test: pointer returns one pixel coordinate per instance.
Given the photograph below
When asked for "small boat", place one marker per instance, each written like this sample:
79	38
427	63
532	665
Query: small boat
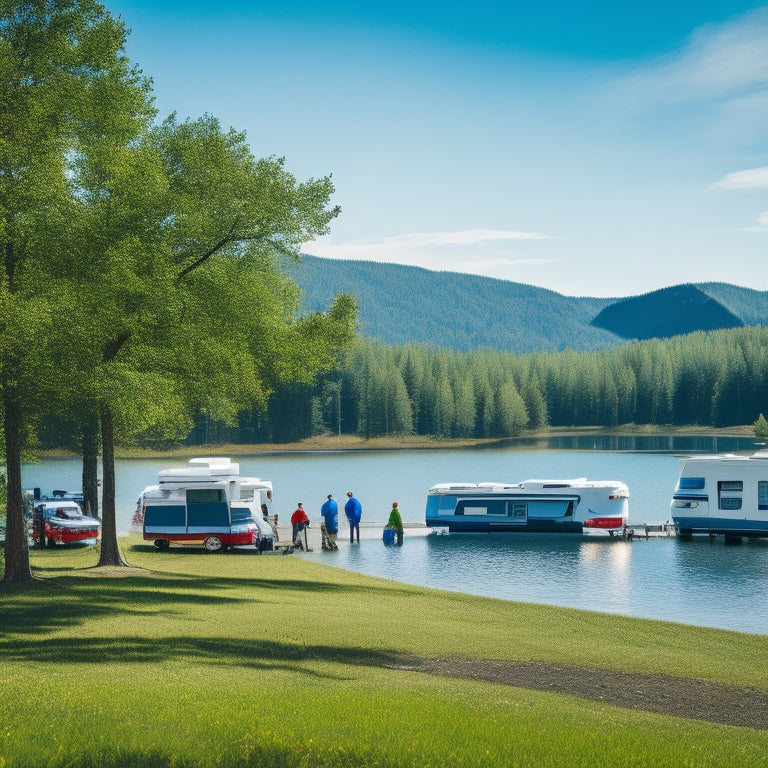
208	503
722	494
540	506
59	519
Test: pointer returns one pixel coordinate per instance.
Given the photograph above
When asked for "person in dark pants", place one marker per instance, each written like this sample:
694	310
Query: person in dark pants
330	525
300	522
396	522
353	509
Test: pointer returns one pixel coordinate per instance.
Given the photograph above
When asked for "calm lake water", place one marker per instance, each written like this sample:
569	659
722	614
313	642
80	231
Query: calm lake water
697	582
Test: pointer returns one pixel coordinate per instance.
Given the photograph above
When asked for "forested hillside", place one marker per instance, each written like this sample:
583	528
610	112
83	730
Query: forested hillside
401	305
404	305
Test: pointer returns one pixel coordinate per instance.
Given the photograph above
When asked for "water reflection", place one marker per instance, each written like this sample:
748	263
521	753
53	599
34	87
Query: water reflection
636	443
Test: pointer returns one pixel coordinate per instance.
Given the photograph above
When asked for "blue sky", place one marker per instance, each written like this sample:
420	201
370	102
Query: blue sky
596	149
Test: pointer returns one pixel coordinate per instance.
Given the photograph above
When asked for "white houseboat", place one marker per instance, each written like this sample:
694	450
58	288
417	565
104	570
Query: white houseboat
539	506
208	503
722	495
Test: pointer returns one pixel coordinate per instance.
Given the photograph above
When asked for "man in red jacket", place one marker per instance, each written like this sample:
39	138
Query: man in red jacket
300	522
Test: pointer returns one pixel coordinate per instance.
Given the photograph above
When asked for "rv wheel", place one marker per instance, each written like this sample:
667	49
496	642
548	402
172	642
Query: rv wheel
51	542
162	543
213	544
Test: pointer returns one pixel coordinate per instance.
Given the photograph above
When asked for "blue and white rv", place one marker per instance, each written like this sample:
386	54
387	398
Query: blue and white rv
208	503
722	495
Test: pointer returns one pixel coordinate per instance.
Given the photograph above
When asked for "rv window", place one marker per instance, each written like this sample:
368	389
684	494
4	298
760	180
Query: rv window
205	495
728	502
691	483
762	494
731	485
239	514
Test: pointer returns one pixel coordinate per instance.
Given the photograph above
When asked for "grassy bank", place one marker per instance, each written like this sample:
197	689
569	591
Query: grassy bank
193	660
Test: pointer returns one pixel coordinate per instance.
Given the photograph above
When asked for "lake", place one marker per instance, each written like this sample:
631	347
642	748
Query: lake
697	582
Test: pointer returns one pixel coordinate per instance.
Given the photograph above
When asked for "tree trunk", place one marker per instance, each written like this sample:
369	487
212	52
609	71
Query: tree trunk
17	569
110	552
90	466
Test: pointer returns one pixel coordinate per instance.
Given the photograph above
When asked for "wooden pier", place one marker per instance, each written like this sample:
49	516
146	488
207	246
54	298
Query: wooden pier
645	531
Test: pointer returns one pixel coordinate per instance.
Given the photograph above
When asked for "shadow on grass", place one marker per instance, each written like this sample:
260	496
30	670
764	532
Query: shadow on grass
219	651
243	756
65	601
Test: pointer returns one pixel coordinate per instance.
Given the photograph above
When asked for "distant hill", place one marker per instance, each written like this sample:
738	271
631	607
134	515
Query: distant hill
671	311
401	304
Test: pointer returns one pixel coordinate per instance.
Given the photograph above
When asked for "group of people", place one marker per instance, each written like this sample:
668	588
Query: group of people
329	528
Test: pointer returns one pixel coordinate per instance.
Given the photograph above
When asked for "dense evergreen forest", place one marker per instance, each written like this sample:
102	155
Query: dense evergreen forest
717	379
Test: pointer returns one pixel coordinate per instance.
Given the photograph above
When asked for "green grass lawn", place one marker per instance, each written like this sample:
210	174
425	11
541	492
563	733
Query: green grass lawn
248	660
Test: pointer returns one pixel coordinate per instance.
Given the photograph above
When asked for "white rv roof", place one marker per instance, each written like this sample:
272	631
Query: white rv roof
201	470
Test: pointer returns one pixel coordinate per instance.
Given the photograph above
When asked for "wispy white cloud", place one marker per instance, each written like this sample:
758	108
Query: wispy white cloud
382	249
487	252
720	61
753	178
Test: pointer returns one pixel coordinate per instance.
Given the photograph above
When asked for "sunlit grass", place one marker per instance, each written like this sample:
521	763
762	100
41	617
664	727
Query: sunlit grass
245	660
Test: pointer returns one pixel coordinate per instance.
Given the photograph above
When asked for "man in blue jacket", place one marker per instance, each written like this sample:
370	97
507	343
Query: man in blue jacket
330	527
354	511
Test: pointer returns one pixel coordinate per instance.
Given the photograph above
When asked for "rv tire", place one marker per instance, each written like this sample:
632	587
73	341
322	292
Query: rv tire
213	544
162	543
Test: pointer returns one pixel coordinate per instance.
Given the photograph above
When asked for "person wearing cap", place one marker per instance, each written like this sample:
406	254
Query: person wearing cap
330	525
299	522
396	522
353	509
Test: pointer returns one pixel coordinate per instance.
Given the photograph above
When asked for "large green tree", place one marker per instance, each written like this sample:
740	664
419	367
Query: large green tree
56	57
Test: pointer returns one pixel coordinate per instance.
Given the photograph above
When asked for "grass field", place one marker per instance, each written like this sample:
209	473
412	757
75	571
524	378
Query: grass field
189	659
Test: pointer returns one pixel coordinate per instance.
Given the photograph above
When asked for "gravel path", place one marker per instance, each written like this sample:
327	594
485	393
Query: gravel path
665	695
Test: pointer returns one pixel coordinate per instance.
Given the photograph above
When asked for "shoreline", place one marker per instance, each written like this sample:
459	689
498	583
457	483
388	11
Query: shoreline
333	443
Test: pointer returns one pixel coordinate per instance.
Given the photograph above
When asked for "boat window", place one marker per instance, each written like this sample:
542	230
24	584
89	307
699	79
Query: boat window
729	486
691	483
518	511
481	507
762	494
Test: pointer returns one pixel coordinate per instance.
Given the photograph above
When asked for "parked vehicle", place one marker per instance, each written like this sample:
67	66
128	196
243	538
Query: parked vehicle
208	503
540	506
61	521
722	495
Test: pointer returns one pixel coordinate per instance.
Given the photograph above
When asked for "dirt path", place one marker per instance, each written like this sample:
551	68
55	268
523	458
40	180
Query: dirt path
665	695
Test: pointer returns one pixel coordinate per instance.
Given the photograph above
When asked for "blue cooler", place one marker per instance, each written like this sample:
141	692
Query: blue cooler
389	537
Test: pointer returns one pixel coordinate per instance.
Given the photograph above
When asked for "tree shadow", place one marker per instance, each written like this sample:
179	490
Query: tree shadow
245	653
49	604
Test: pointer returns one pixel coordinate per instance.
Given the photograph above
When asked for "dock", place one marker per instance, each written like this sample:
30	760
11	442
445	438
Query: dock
646	531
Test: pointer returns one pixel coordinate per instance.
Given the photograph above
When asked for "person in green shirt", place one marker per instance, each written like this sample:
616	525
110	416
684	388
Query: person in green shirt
396	522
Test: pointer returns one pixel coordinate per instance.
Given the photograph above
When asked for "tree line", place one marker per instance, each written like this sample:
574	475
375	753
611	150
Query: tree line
718	379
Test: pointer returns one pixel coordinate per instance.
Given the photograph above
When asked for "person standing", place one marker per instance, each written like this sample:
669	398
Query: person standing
353	509
330	525
396	522
300	522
